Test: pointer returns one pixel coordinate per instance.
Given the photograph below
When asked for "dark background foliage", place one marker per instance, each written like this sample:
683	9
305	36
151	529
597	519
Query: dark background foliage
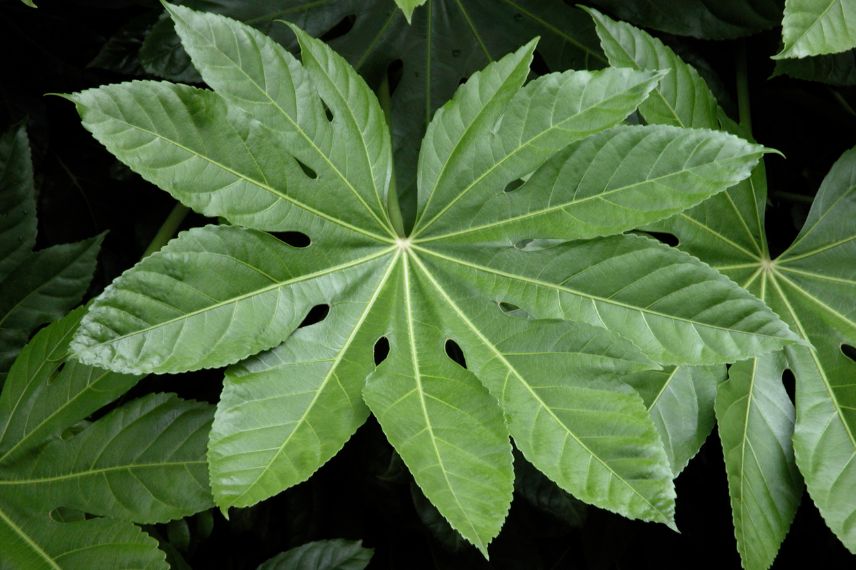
365	492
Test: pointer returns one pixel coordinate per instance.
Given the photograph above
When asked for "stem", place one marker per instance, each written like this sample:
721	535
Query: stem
392	206
167	230
743	109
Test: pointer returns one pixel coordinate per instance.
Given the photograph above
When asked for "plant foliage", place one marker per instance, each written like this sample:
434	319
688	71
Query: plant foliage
811	285
70	490
35	287
517	256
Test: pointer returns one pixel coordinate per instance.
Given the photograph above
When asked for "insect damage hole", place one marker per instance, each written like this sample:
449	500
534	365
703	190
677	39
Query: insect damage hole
315	315
381	350
514	185
849	351
294	239
663	237
455	353
311	174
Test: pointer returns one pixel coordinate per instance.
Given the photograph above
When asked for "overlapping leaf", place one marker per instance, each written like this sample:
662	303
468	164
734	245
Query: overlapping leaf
282	144
810	285
336	554
52	472
817	27
35	287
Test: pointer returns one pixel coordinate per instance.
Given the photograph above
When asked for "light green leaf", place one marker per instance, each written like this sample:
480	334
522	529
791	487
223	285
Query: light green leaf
817	27
105	471
168	315
407	6
558	386
443	423
545	116
608	183
218	295
285	412
40	542
655	296
44	393
348	153
680	400
335	554
682	98
756	422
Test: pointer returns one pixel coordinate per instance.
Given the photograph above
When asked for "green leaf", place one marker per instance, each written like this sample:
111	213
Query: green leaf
680	400
334	554
682	98
104	471
756	423
407	6
35	287
167	314
545	116
45	394
17	200
543	494
608	183
817	27
708	19
36	542
443	423
265	154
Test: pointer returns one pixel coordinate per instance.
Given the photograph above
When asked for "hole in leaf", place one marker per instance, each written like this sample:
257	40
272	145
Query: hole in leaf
514	185
307	171
340	29
537	244
72	431
294	239
315	315
453	351
849	351
665	238
790	383
327	111
56	373
65	514
512	310
463	80
394	73
381	350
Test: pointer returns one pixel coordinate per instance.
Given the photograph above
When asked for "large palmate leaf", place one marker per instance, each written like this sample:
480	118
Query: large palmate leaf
817	27
444	41
48	466
290	145
810	285
35	287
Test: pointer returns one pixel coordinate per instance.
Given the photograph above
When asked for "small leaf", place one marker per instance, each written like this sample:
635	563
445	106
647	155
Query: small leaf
680	400
817	27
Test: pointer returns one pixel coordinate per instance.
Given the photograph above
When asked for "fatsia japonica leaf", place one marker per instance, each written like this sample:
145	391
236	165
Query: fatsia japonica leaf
446	40
680	401
57	472
809	285
301	145
334	554
817	27
35	287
